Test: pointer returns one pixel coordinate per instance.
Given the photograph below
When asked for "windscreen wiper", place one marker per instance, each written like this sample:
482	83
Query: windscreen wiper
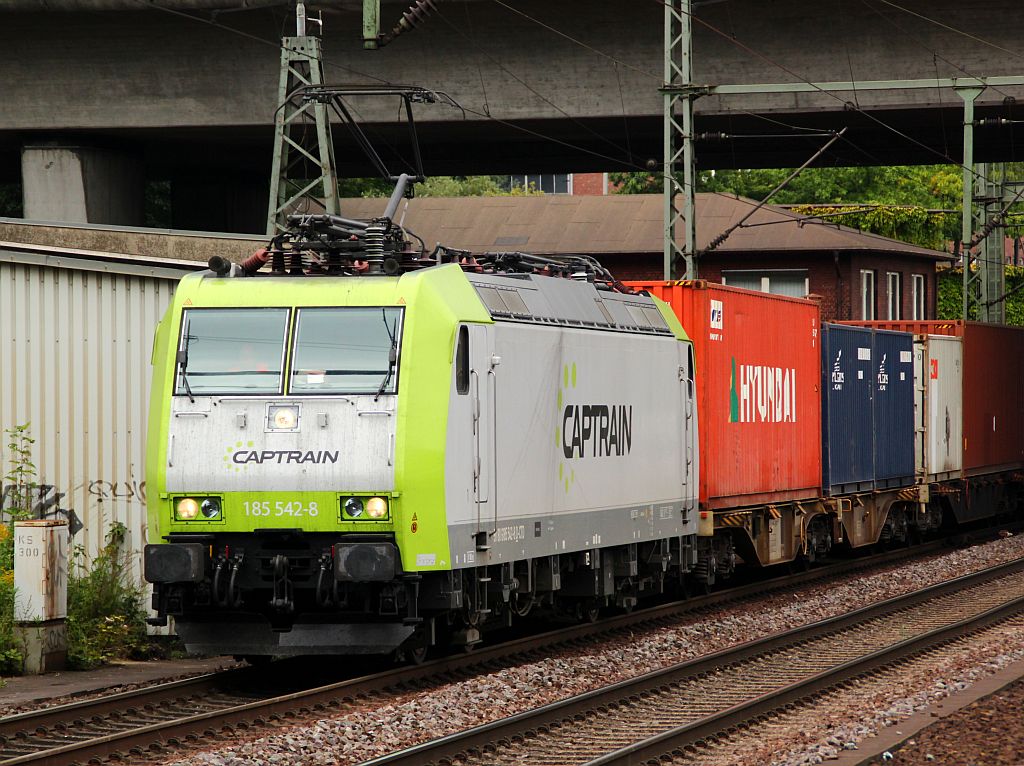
182	360
392	353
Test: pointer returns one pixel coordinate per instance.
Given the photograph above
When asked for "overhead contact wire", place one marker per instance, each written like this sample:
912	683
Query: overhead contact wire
824	91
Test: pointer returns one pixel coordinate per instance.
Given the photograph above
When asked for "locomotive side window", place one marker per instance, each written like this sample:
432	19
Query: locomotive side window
346	351
462	361
231	351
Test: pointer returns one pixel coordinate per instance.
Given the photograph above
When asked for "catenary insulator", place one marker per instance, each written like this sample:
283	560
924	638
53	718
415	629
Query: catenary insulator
373	239
412	17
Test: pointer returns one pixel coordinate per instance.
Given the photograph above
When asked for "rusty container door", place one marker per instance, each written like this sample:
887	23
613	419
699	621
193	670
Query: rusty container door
758	391
993	385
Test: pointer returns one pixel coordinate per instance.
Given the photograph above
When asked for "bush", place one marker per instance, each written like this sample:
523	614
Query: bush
19	481
106	619
10	656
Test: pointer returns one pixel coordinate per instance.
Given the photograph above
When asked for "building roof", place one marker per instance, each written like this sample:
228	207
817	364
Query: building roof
618	223
95	260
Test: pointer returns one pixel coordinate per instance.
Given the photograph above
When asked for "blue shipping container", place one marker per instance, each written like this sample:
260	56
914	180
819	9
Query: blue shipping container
893	408
847	423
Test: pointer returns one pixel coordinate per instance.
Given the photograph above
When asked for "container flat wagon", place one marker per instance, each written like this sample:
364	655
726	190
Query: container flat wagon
970	411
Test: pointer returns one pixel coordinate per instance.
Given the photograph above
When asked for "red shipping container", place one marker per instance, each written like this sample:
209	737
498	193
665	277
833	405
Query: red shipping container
758	391
993	386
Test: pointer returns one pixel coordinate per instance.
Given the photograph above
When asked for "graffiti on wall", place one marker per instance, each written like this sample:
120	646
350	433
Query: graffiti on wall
44	502
117	490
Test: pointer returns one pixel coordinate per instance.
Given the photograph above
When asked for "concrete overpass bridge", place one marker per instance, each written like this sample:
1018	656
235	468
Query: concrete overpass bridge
186	93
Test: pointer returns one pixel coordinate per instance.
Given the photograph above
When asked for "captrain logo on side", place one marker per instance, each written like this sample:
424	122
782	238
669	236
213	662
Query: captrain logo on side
589	430
597	430
592	430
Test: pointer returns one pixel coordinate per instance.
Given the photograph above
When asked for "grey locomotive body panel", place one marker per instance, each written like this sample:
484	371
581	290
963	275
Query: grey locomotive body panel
580	416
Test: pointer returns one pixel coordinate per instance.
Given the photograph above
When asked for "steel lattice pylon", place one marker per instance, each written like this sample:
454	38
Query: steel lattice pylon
678	149
988	286
294	143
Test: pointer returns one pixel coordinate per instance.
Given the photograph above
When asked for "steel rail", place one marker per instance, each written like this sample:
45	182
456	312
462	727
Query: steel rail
671	741
482	738
22	727
60	715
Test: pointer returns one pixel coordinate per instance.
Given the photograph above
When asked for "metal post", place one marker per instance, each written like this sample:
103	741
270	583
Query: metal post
301	64
968	94
678	139
371	24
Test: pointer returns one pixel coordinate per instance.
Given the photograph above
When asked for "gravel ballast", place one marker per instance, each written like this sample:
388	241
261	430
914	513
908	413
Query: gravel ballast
373	728
986	732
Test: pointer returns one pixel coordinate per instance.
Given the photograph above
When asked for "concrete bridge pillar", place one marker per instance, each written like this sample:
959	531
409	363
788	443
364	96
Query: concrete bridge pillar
81	184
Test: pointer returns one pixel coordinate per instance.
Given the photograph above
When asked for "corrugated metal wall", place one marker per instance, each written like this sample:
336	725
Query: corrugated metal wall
75	341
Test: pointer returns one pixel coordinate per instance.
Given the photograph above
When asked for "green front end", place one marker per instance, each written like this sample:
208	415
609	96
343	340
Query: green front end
296	459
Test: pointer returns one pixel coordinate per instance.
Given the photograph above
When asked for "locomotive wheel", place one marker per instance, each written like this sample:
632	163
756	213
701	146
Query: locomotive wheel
681	588
415	649
588	611
697	587
416	655
470	614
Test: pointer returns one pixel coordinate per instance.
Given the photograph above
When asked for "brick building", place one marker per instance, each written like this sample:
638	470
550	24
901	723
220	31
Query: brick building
857	275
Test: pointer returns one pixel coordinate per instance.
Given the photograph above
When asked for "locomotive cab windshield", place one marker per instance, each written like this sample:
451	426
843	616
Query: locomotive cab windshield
242	351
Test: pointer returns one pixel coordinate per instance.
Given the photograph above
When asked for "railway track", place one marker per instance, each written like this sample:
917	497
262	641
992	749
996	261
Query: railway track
155	720
663	714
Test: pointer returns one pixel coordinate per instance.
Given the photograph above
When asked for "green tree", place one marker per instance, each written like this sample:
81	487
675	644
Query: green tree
436	186
951	301
917	203
929	186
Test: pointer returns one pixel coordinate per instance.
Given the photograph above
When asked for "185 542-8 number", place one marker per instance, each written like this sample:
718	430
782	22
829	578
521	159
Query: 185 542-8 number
280	508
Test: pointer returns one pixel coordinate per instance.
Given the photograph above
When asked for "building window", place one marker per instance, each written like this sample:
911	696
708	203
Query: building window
791	282
918	287
558	183
894	291
867	294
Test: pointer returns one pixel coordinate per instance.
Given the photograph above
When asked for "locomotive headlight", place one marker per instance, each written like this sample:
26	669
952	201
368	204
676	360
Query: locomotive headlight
282	417
210	507
377	508
353	507
198	509
187	509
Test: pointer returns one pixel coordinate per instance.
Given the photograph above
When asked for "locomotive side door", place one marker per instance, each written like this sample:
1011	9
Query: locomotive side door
690	456
482	389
